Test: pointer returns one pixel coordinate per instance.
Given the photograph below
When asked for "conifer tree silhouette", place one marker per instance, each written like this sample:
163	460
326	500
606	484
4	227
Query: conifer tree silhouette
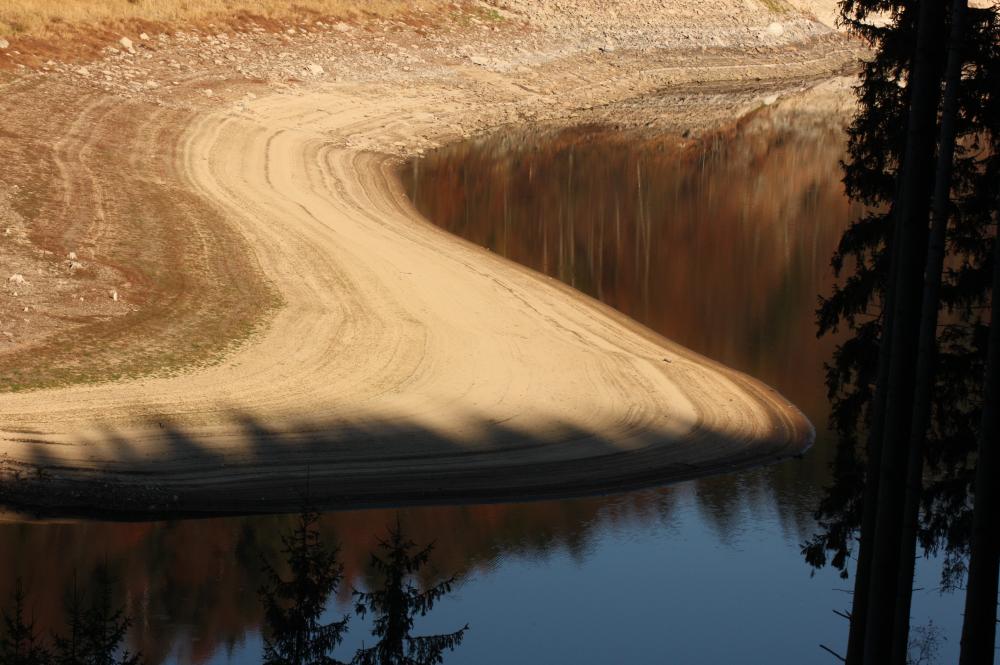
105	627
293	607
19	644
71	648
395	604
95	632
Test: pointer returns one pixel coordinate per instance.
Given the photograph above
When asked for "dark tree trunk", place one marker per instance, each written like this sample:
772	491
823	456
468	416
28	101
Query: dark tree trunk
927	339
979	629
910	212
869	506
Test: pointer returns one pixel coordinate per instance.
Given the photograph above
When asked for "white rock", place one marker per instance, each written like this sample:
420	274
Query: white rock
209	92
4	43
113	294
770	99
775	29
74	265
144	37
479	60
17	278
315	69
83	71
126	43
342	27
71	256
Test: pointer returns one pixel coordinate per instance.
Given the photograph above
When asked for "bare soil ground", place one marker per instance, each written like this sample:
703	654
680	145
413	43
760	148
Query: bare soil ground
212	283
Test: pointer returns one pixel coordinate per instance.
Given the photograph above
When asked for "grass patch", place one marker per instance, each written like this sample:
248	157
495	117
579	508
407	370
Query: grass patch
776	6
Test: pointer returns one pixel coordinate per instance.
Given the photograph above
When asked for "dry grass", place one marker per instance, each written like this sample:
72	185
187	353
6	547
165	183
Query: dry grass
39	18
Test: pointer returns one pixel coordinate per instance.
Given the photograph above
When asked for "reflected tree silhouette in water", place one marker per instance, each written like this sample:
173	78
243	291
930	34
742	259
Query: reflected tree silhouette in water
294	606
19	643
397	601
95	631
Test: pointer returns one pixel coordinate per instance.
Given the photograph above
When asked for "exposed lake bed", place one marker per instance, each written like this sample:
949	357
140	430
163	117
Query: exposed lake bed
534	284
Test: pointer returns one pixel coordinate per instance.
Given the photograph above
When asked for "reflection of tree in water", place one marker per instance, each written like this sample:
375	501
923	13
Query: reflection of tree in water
20	643
94	633
397	601
294	606
191	585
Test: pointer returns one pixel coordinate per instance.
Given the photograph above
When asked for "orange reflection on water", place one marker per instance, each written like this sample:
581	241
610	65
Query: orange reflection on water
722	245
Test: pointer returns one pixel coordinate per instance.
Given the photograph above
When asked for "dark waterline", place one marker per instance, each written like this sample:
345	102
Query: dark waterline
722	246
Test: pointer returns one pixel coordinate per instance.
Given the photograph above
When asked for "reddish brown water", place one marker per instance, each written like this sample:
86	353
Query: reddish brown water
722	245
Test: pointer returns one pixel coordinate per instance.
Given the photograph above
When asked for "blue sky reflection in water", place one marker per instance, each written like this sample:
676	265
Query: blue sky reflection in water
721	244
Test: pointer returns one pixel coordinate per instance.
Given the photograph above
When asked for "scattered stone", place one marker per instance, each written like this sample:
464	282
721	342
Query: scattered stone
83	71
315	69
775	29
18	279
342	27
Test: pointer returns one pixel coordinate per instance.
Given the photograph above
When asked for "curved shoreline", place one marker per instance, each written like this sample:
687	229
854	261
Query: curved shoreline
477	380
405	365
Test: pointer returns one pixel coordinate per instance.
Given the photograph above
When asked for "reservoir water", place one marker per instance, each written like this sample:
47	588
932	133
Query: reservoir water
721	243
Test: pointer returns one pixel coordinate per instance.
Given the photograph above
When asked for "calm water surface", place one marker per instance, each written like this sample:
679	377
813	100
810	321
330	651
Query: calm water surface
722	245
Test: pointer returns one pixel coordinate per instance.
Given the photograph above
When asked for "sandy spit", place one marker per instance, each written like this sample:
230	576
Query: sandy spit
404	365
